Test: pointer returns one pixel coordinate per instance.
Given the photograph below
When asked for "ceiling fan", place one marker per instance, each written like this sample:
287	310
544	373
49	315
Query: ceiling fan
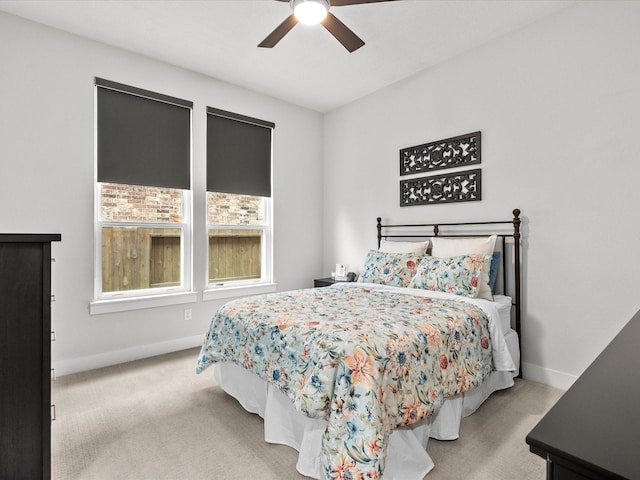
317	11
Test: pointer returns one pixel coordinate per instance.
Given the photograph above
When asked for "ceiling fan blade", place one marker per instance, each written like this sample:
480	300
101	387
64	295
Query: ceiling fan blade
281	30
342	3
343	34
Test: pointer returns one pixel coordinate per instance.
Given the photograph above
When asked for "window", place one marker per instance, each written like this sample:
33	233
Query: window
237	230
143	197
142	232
238	200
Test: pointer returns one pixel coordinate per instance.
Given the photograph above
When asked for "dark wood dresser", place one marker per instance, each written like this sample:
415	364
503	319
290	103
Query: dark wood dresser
593	431
25	356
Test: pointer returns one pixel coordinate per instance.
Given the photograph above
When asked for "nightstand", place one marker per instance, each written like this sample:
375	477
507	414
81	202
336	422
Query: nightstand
323	282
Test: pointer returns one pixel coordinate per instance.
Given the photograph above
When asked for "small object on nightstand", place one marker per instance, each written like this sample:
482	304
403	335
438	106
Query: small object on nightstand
341	271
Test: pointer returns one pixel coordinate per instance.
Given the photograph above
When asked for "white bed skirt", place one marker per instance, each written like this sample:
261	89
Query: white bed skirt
407	457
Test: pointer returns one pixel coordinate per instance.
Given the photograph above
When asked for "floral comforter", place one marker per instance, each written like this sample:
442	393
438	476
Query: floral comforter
366	360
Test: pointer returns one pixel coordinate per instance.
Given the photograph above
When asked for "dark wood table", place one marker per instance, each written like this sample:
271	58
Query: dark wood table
593	431
323	282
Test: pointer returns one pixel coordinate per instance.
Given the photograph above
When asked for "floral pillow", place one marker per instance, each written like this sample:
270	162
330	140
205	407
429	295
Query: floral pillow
393	269
459	275
449	247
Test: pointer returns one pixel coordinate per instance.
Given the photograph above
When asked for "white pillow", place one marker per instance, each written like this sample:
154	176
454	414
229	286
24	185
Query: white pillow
403	247
503	303
451	247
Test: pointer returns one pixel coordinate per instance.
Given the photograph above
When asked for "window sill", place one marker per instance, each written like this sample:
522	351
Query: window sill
113	305
217	293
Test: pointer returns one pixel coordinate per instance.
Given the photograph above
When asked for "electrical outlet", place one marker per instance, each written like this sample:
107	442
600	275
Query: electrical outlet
187	314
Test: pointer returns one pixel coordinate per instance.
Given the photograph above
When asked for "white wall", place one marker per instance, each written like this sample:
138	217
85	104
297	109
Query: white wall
47	171
558	104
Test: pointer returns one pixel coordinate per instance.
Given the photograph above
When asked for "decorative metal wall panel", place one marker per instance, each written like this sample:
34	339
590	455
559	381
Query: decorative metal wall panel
451	187
453	152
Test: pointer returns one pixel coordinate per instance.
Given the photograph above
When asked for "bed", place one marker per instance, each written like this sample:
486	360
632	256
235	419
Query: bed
358	376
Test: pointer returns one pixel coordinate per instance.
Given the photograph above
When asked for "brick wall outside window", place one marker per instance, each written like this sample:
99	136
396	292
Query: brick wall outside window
132	203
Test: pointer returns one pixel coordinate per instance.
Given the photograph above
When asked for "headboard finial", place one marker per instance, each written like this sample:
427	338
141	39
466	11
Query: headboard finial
516	223
379	227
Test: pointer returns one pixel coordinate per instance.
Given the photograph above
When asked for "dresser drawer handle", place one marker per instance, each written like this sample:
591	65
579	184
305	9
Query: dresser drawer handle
53	335
53	412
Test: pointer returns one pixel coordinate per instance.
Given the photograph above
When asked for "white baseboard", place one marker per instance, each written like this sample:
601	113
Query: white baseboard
547	376
106	359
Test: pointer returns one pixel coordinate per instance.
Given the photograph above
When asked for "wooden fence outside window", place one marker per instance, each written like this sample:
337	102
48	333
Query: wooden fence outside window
140	258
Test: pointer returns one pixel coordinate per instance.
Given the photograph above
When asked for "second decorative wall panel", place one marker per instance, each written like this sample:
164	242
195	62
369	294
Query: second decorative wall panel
451	187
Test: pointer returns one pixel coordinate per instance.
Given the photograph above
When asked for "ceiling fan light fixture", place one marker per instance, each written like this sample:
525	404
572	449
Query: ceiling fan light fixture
310	12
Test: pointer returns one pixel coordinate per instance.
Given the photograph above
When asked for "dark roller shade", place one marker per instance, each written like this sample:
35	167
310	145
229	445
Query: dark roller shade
144	138
238	154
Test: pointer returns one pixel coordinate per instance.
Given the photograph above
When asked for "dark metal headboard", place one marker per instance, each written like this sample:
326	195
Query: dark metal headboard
460	227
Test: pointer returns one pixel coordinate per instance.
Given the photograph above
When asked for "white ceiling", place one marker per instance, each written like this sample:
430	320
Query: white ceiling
308	67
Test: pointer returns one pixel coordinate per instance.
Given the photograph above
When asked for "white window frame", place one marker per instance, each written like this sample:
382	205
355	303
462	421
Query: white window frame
105	302
234	288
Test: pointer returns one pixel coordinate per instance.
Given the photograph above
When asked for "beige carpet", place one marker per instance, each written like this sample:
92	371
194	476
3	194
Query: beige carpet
155	419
